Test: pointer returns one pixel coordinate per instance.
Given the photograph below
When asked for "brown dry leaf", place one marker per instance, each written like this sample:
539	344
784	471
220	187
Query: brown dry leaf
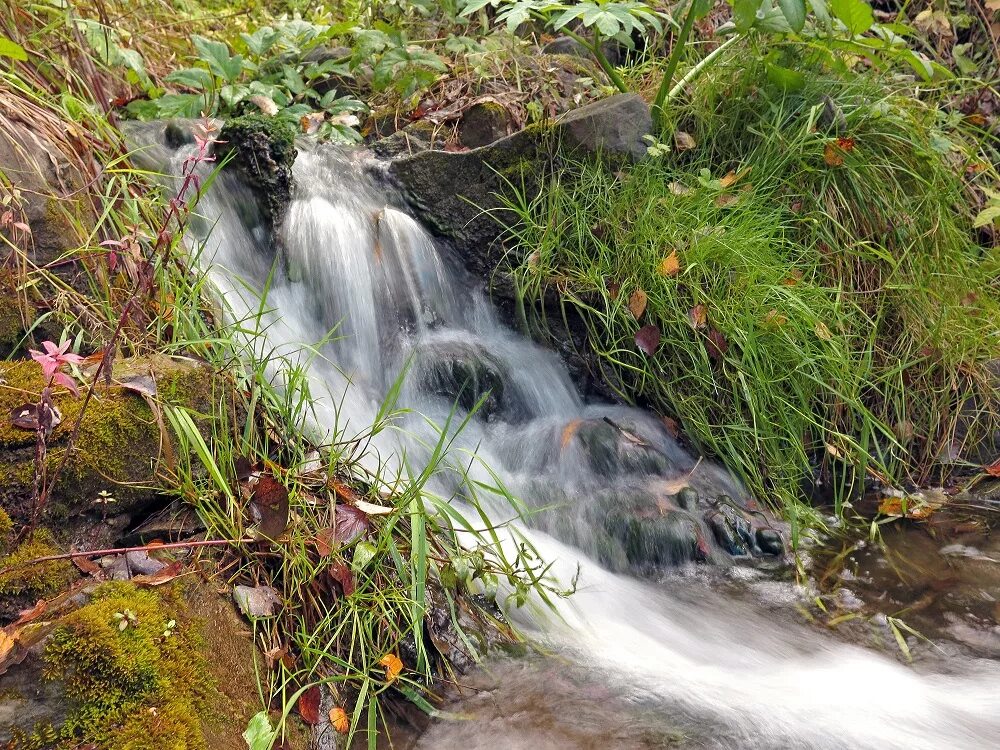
7	644
822	332
339	720
349	523
88	566
698	316
993	469
28	615
393	666
144	384
672	426
637	303
670	265
832	155
614	288
568	432
345	493
265	105
160	577
325	541
308	705
679	189
725	200
684	141
274	655
733	177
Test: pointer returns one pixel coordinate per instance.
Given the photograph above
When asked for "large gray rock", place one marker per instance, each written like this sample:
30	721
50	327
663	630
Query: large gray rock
454	192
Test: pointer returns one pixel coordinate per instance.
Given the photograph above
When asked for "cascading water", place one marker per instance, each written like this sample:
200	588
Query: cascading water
730	673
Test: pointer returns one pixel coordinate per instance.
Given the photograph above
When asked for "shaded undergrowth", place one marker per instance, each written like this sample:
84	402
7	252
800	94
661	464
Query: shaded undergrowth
808	258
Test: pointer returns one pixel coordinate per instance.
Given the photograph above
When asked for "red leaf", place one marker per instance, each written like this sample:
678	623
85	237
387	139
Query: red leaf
269	507
716	344
647	339
88	566
350	523
308	705
993	469
342	574
164	575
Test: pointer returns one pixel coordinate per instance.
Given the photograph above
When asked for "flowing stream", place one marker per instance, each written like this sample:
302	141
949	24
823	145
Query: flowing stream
675	659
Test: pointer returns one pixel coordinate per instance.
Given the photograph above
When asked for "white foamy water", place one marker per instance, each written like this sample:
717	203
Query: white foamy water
352	263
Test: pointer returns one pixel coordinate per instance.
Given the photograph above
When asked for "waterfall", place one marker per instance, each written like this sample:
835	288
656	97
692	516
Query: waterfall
359	295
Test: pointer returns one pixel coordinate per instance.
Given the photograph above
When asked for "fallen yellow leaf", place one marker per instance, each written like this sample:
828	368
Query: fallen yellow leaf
637	303
733	177
822	331
393	666
670	265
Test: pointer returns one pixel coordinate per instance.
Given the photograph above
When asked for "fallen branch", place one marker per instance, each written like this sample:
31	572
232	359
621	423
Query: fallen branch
124	550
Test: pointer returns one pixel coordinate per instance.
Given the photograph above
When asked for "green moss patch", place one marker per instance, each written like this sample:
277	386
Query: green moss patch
37	581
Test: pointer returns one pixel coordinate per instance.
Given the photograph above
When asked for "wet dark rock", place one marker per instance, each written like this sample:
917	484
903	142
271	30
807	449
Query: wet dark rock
667	538
413	138
610	453
770	542
178	133
468	375
483	123
262	151
688	498
450	190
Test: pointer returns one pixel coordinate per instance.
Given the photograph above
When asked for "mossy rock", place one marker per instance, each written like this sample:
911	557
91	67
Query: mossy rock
122	446
178	675
263	152
16	316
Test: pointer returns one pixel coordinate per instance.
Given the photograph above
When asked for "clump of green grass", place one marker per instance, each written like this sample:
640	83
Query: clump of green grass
830	306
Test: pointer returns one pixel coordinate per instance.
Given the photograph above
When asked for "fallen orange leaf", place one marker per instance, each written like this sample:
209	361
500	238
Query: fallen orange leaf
569	431
993	469
339	720
637	303
733	177
670	265
393	666
832	155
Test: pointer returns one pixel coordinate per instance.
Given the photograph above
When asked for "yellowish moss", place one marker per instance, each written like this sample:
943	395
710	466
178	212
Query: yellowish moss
6	529
144	685
41	580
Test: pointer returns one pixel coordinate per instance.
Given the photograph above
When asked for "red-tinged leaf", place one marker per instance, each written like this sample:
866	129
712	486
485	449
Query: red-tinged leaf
847	144
242	468
393	666
672	426
647	339
308	705
350	523
27	615
833	155
614	289
269	507
993	469
637	303
325	541
88	566
160	577
716	344
345	493
342	574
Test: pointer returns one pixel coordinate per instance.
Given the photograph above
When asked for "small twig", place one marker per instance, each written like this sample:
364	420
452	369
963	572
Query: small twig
124	550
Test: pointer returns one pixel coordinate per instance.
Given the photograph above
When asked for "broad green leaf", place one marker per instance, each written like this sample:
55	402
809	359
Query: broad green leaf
216	54
259	735
198	79
988	215
785	78
745	14
474	6
856	15
9	48
794	12
261	40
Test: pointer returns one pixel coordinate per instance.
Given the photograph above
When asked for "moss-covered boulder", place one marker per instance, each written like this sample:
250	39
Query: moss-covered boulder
484	123
262	150
16	314
128	667
122	449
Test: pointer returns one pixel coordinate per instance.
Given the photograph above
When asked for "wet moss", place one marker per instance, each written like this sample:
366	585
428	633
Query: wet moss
37	581
142	685
15	317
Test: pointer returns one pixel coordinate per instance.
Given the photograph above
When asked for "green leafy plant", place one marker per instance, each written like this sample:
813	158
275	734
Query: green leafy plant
274	75
604	19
